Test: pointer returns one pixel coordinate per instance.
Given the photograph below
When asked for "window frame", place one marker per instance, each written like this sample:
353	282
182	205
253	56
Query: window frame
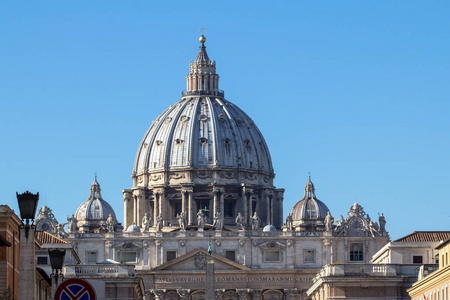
130	262
87	257
304	256
171	251
273	261
417	257
229	251
41	257
353	253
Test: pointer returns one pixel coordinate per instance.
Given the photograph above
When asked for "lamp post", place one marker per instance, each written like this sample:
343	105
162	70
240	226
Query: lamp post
27	266
57	261
27	205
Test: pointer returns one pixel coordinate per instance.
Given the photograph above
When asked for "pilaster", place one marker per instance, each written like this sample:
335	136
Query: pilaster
141	206
27	265
128	208
162	205
190	205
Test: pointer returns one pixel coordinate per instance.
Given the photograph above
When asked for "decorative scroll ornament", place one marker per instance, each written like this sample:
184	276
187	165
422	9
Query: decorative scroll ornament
177	176
251	176
229	175
203	174
155	177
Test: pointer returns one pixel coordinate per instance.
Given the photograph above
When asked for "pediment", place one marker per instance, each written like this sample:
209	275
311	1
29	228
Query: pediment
128	246
271	245
197	259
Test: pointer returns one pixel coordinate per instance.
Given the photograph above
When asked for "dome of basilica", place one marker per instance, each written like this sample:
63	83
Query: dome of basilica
133	228
309	213
203	152
94	212
203	130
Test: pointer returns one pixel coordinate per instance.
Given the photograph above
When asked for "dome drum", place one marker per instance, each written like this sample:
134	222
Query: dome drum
169	201
202	176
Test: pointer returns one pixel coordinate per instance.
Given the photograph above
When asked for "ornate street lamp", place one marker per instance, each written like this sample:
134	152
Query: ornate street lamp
27	205
57	261
27	266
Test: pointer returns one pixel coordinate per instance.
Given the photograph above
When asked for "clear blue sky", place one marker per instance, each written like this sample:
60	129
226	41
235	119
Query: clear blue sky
357	92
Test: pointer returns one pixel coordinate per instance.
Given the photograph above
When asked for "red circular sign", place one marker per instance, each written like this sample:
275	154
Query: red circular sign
75	289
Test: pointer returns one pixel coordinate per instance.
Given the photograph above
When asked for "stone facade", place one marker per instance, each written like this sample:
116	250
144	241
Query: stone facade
363	281
9	253
171	262
203	189
436	284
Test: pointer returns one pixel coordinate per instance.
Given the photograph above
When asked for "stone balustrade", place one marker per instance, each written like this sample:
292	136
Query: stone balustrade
109	270
356	270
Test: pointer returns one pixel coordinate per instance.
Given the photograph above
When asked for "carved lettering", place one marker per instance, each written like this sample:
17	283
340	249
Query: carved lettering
262	279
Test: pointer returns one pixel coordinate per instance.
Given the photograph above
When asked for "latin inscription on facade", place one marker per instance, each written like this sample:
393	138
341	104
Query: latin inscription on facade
229	279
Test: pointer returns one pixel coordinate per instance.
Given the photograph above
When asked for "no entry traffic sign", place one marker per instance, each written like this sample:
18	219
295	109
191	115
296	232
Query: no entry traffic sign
75	289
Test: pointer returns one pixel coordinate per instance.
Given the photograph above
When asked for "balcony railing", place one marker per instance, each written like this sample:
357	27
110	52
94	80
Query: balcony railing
103	270
356	270
219	93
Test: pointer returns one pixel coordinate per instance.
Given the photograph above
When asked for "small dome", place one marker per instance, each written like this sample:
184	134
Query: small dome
94	211
309	210
269	228
133	228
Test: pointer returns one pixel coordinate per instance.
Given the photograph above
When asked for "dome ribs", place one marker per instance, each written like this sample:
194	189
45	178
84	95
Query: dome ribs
170	136
214	132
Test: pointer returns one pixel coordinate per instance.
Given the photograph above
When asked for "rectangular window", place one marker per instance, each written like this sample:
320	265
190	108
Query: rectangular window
171	255
231	255
309	256
229	209
357	252
91	257
42	260
417	259
177	207
129	257
272	255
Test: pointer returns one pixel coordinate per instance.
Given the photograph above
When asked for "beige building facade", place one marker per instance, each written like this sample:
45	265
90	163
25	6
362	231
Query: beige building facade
435	285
